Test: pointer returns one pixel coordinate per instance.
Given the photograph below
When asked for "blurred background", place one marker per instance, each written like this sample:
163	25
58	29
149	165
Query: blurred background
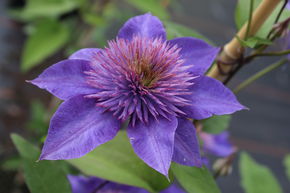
37	33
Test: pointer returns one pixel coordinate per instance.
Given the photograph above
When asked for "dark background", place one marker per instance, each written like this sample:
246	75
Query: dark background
263	131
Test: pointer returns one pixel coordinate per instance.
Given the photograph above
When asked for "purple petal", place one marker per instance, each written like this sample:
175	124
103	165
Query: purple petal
85	54
205	162
196	53
143	25
65	79
186	147
218	145
288	5
210	97
82	184
173	189
153	142
120	188
77	127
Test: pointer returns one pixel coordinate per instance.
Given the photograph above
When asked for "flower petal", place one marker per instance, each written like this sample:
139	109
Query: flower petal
173	189
186	147
210	97
196	53
153	142
82	184
85	54
218	144
77	127
145	25
65	79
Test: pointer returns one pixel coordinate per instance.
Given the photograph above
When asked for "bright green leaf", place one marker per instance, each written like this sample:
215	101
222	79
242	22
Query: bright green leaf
42	176
153	6
116	161
195	180
242	15
257	178
177	30
287	165
48	37
216	124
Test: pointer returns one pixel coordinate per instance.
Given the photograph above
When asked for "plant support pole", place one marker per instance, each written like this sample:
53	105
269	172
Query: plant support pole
234	50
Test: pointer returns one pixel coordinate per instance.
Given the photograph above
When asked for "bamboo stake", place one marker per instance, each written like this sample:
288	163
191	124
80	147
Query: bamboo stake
233	50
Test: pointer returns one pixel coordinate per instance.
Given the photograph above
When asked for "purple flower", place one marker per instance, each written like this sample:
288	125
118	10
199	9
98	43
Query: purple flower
82	184
141	77
288	5
217	144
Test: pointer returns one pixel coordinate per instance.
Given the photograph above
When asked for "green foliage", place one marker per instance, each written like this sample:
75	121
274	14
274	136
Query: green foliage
257	178
242	15
42	176
38	122
48	8
254	42
11	164
153	6
287	165
216	124
116	161
48	37
195	180
177	30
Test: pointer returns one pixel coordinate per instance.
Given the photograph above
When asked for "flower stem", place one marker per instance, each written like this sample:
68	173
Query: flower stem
259	75
250	19
281	53
233	50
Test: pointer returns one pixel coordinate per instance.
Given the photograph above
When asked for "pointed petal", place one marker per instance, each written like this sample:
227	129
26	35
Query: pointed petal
82	184
145	25
218	144
153	142
210	97
65	79
85	54
186	147
77	127
196	53
173	189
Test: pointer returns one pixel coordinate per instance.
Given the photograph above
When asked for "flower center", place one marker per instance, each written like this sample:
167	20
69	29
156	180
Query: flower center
141	78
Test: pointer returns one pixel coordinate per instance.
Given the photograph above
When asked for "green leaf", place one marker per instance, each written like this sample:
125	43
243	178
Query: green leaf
48	37
287	165
116	161
253	42
216	124
177	30
43	176
38	122
195	180
11	164
257	178
153	6
48	8
242	15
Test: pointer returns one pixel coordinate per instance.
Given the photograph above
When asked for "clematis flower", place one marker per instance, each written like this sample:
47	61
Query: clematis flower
217	144
82	184
156	84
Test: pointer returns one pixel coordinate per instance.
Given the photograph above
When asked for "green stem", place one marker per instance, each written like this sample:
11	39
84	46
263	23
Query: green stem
259	75
250	19
281	53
